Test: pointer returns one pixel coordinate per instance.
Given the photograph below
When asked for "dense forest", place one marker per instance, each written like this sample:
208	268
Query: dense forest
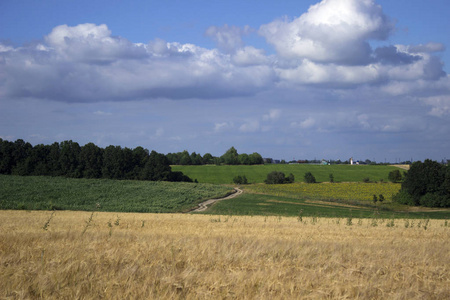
70	159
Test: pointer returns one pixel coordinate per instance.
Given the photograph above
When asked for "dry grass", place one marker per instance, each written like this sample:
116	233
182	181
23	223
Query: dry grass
145	256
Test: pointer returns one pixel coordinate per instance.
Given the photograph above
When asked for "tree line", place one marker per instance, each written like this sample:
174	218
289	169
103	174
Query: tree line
70	159
230	157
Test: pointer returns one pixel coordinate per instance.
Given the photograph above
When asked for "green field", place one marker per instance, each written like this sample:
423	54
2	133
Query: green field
349	198
270	205
258	173
47	193
349	191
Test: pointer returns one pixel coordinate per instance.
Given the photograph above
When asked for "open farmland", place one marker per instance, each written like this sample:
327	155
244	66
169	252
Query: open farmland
258	173
73	255
353	191
272	205
345	199
59	193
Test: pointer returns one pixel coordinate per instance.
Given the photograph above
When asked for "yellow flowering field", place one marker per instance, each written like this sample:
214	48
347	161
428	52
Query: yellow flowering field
329	191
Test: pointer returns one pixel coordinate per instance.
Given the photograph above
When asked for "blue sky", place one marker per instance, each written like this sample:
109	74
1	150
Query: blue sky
328	79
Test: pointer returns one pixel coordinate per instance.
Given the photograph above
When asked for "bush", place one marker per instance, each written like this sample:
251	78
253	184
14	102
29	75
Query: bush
275	177
395	176
240	179
290	178
435	200
331	178
403	197
309	178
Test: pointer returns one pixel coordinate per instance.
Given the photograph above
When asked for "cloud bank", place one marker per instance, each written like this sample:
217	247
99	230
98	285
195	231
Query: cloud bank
327	46
86	63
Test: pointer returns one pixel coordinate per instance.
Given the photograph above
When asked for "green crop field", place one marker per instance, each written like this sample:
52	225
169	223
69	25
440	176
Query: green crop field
258	173
344	199
349	191
270	205
46	193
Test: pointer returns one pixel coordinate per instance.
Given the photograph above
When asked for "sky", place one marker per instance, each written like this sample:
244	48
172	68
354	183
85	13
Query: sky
310	79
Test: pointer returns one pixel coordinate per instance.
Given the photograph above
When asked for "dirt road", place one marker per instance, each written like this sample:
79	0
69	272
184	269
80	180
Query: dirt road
204	205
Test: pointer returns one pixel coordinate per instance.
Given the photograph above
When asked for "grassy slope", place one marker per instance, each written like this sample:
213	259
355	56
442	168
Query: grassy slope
258	173
349	191
289	200
36	193
269	205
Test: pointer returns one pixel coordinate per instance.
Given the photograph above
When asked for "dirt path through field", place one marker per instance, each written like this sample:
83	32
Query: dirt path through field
404	167
204	205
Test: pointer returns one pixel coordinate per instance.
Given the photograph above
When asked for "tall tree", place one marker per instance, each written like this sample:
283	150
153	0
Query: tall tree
53	162
113	163
37	161
21	150
423	178
128	167
91	161
256	159
6	157
231	157
208	159
185	158
69	159
140	157
196	159
157	168
244	159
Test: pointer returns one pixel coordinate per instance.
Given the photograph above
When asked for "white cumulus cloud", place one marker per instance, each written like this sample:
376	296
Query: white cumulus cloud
85	63
330	31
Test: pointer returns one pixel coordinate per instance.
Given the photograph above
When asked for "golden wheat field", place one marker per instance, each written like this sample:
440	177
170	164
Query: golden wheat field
82	255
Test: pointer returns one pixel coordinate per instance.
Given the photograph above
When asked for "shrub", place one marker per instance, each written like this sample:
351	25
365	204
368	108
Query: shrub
403	197
275	177
395	176
240	179
331	177
290	178
366	180
309	178
435	200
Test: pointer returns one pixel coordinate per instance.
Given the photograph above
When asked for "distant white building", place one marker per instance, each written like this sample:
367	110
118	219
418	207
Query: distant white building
352	162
